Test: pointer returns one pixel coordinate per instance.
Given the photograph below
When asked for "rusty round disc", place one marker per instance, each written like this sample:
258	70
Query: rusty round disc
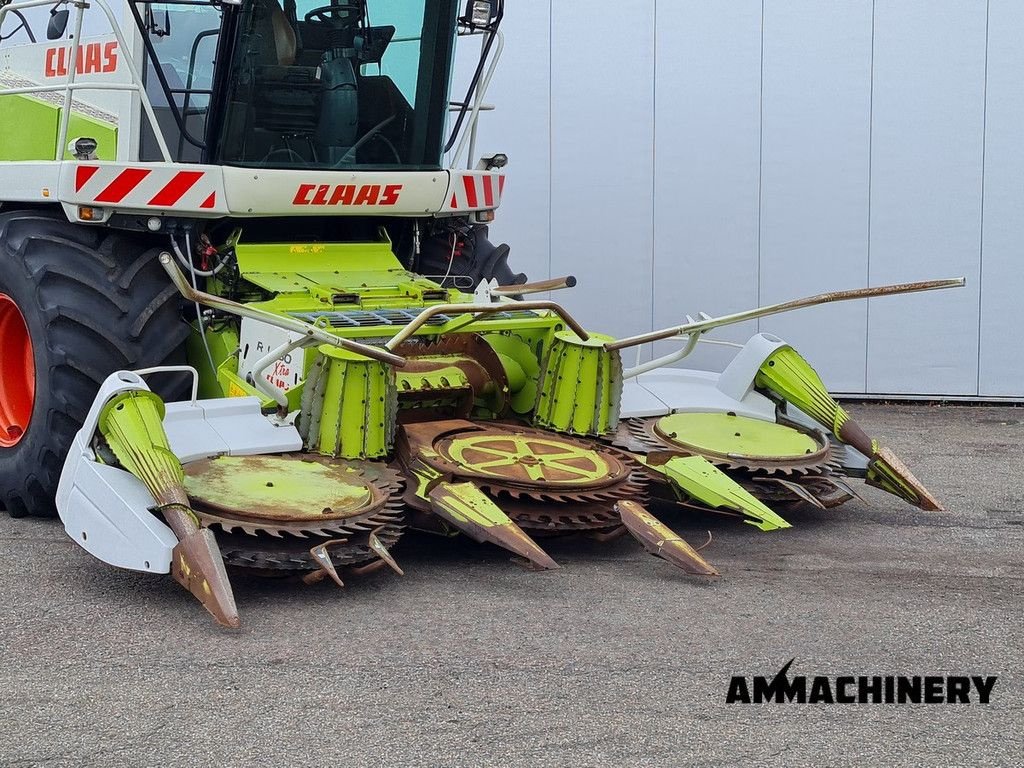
530	458
736	442
298	495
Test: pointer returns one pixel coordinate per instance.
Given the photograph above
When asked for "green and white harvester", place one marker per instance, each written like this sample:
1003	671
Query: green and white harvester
250	319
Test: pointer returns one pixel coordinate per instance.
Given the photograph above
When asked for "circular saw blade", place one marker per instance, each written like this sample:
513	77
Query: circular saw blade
735	442
523	462
268	554
299	496
543	480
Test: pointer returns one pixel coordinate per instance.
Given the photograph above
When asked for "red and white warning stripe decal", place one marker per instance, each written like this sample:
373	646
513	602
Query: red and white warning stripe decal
174	188
475	190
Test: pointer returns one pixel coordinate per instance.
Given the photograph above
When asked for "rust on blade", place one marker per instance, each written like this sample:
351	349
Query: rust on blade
851	433
661	541
890	474
383	553
196	562
322	558
467	508
886	471
198	566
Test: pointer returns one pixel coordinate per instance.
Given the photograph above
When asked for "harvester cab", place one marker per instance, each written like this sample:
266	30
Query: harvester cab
304	85
251	321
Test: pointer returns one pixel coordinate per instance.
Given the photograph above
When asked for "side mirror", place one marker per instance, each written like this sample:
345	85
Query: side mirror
58	24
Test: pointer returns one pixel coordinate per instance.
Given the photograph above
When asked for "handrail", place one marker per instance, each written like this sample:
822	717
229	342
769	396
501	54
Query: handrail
708	323
279	321
469	130
70	86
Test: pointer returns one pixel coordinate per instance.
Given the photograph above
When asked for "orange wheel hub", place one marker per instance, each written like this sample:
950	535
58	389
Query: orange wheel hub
17	373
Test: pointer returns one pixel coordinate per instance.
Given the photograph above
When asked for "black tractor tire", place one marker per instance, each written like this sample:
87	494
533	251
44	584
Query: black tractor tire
476	258
94	301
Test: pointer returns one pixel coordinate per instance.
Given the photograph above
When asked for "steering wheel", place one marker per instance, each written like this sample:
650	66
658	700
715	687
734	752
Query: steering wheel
350	156
322	15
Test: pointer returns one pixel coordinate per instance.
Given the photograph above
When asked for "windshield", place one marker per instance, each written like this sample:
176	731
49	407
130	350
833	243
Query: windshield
358	85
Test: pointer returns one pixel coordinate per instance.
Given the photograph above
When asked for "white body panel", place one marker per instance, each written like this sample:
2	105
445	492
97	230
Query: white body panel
30	181
106	510
252	191
206	191
232	425
672	390
256	340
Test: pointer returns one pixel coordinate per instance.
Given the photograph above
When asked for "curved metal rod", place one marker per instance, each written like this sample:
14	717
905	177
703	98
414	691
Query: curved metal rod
541	286
661	362
484	309
279	321
174	369
707	324
260	381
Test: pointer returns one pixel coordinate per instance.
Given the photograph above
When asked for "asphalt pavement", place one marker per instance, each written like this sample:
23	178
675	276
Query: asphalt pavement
616	659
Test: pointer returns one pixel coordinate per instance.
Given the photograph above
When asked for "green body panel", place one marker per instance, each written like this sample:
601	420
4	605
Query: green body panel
29	128
521	363
726	433
580	386
349	275
104	133
699	479
322	282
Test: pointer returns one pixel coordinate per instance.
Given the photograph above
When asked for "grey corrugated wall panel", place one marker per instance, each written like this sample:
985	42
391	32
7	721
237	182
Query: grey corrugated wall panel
816	107
520	127
926	169
665	217
1002	271
602	123
707	159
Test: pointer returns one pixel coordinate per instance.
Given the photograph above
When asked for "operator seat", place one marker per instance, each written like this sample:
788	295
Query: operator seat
277	41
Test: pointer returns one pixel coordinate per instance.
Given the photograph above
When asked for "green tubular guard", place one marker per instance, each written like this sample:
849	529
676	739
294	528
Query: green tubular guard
580	387
791	377
349	406
132	424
